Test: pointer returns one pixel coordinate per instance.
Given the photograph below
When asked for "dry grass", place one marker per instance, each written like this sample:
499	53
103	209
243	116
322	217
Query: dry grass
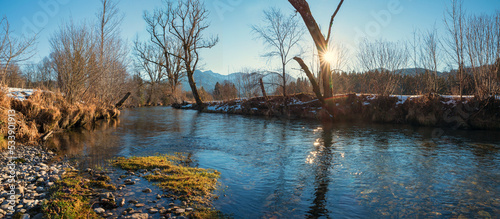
43	112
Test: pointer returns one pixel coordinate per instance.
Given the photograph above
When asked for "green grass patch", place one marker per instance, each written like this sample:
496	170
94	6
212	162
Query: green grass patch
69	199
186	183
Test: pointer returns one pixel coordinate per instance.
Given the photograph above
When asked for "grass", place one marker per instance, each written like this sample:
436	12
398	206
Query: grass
186	183
69	199
172	174
43	112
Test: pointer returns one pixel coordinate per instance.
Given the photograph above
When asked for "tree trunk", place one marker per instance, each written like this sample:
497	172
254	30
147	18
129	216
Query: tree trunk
120	103
192	84
315	85
284	80
263	88
319	40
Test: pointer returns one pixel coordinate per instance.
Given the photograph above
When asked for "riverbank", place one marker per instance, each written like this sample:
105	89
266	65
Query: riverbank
420	110
38	114
25	190
48	186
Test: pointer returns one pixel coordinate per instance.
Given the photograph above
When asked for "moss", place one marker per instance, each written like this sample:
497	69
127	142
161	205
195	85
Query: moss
20	160
69	199
184	182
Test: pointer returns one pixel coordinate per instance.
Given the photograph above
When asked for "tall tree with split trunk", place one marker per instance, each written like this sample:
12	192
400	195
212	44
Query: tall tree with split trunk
320	41
189	22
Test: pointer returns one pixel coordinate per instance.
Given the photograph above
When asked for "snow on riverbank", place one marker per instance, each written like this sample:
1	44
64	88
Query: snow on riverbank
19	93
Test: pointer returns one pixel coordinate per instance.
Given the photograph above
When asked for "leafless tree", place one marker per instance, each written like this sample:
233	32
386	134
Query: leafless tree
45	73
482	48
455	23
150	61
283	34
321	43
158	27
429	53
388	58
189	22
74	60
247	82
13	49
112	53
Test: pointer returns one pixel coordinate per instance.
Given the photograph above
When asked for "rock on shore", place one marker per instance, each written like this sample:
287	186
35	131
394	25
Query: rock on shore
32	177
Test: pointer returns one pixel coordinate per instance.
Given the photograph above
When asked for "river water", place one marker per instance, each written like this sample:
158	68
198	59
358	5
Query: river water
277	168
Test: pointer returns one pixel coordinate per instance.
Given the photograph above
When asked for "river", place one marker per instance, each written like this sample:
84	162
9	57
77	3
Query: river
278	168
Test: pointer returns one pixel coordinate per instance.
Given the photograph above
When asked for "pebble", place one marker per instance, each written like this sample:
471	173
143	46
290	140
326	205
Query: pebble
34	177
121	202
99	210
180	210
153	210
147	190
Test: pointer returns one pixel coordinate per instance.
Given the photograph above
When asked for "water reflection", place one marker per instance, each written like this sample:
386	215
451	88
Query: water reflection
95	144
323	160
275	168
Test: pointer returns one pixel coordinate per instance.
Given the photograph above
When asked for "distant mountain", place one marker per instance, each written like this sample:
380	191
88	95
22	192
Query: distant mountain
413	71
208	79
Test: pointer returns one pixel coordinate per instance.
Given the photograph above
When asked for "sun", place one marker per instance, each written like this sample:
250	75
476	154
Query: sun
329	57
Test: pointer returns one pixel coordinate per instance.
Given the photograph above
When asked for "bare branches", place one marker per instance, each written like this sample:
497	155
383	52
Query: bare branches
384	57
187	25
13	49
282	33
111	53
331	21
74	58
455	23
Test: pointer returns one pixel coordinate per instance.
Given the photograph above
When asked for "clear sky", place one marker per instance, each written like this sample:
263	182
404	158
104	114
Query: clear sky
232	20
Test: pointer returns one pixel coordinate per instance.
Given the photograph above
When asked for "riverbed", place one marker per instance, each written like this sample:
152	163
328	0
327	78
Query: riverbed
280	168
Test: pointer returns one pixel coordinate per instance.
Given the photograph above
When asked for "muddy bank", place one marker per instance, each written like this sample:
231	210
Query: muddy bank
421	110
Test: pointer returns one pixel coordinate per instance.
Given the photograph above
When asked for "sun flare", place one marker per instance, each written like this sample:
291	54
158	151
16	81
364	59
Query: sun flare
329	57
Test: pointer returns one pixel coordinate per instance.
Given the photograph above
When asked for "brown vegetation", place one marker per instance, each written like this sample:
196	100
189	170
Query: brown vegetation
44	112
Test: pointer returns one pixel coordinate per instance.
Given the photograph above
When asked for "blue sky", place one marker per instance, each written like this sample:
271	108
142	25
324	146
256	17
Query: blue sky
232	20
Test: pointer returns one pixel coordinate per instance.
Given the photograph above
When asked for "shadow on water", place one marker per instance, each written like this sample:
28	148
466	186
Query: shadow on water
274	168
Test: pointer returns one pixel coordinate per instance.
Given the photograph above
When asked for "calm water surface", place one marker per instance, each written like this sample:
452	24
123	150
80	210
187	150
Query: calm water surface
273	168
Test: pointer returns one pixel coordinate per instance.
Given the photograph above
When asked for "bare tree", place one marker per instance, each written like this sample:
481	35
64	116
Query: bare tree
455	23
150	61
112	53
74	60
45	73
282	33
385	57
189	22
429	54
320	41
13	49
482	48
158	27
